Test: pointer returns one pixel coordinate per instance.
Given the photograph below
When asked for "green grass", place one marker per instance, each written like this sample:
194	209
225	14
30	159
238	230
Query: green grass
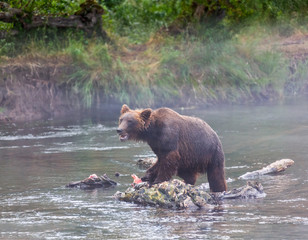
207	67
222	70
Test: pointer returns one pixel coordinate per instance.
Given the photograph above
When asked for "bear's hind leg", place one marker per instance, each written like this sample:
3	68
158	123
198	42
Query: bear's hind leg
216	173
216	178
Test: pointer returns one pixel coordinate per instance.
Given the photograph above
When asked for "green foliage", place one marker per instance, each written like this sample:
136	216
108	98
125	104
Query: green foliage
5	26
206	62
41	7
139	19
92	66
6	47
97	74
48	7
49	40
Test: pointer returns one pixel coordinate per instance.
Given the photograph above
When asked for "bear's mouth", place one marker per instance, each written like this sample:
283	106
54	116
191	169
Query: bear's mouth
123	137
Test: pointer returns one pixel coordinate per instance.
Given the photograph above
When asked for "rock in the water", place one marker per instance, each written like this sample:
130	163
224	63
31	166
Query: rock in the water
176	194
173	194
146	162
93	181
275	167
252	189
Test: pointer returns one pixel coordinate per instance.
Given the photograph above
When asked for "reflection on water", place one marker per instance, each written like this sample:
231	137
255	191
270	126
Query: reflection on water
38	159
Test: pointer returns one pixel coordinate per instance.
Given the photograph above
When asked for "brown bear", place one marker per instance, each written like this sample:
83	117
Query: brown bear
185	146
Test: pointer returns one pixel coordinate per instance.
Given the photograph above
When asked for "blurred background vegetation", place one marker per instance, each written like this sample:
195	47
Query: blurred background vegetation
169	52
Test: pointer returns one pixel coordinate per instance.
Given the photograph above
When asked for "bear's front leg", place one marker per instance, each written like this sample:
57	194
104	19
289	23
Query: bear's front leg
167	166
151	174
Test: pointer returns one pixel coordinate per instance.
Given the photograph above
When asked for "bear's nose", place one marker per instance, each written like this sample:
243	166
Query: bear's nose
119	130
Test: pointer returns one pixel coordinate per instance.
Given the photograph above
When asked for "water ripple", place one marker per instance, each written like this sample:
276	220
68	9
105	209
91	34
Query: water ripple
78	148
59	132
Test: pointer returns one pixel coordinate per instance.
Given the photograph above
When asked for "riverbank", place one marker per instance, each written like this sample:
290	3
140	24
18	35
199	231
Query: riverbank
258	64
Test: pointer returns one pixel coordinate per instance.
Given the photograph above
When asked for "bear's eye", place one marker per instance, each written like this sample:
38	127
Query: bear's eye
130	121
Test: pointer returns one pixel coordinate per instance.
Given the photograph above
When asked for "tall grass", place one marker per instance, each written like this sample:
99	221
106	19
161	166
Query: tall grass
224	70
204	68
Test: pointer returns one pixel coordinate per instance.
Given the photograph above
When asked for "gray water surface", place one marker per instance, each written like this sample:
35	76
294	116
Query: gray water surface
38	159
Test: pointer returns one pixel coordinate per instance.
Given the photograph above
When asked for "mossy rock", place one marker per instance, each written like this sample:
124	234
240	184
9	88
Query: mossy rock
175	194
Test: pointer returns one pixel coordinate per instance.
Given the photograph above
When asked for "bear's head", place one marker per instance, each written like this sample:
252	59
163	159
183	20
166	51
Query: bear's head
132	123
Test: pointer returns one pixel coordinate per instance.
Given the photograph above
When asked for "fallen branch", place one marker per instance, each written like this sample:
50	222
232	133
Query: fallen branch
275	167
9	14
88	19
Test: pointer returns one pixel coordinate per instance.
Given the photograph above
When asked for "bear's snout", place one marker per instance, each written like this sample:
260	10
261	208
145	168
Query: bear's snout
122	134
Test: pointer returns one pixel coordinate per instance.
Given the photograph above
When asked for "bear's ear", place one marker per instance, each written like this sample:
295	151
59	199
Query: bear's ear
145	114
124	109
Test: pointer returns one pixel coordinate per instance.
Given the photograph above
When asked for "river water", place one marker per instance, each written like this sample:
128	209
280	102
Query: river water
38	159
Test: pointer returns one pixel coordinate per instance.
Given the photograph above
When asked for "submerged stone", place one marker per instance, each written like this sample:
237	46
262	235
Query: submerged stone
146	163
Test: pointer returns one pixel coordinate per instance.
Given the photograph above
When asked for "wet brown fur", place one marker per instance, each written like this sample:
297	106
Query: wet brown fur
185	146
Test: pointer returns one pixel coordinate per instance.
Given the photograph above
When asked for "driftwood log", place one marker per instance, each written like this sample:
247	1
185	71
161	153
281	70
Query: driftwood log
88	19
275	167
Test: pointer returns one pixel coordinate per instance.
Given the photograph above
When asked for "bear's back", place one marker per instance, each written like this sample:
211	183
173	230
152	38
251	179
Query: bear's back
190	130
167	116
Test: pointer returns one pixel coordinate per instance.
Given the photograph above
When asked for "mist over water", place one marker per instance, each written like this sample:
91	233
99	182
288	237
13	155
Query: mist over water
38	159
